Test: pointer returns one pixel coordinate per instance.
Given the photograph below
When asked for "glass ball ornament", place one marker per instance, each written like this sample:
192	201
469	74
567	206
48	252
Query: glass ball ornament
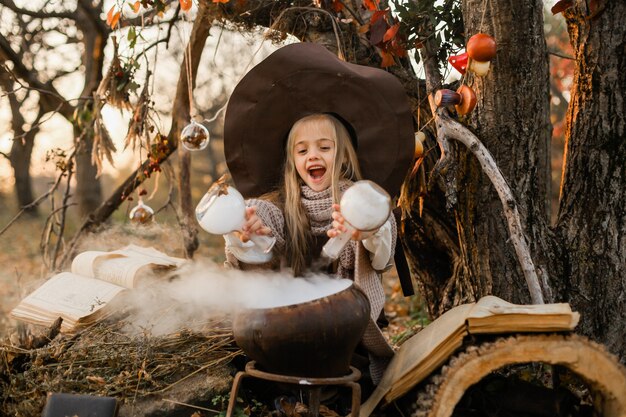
141	214
194	137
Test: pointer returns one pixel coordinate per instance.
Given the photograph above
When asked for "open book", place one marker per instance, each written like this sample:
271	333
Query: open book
83	296
426	351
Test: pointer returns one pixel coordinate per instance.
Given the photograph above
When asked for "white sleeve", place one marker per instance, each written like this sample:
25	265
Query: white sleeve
246	252
379	245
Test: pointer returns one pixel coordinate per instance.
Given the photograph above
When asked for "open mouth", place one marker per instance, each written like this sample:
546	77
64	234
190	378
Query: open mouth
317	172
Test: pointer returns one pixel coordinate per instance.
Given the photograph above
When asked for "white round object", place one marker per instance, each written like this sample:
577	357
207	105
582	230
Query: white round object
221	214
195	137
365	205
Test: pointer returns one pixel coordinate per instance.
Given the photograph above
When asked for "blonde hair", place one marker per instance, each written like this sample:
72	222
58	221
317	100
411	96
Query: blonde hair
345	166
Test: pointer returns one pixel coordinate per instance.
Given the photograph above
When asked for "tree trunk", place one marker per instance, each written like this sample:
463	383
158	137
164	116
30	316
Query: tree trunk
512	120
592	218
88	188
21	152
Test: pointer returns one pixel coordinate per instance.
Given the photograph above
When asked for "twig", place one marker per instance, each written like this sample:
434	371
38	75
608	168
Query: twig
561	55
213	363
167	37
190	406
64	207
39	199
39	14
39	122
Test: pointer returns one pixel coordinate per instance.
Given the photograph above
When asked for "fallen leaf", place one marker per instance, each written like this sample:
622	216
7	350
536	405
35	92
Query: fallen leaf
136	6
221	1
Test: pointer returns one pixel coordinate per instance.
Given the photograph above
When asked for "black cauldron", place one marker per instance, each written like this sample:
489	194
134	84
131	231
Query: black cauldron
313	339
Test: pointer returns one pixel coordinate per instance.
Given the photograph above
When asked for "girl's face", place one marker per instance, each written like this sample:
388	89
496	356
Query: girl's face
313	153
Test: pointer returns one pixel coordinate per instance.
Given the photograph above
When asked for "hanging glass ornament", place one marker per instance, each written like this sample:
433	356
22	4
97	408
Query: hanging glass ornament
141	213
194	137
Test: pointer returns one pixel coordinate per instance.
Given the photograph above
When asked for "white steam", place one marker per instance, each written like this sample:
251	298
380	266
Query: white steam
202	290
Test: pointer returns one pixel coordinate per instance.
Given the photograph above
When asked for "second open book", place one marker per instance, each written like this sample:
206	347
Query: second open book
83	295
427	350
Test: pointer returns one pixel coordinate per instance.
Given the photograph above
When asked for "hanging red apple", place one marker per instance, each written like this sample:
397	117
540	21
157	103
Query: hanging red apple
481	47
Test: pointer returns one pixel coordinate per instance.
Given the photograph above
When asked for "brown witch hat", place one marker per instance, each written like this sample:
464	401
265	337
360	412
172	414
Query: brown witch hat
305	78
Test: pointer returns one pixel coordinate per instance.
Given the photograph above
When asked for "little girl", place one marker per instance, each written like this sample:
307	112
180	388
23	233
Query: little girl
303	213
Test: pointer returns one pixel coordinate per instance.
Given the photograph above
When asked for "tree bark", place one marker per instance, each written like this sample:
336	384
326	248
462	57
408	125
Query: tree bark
592	218
21	152
512	120
88	188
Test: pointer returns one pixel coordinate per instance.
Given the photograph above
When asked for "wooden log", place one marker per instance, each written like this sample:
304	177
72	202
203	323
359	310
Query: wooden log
604	375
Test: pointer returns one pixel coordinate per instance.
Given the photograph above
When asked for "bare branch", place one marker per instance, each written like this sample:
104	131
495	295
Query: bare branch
561	55
455	130
165	39
46	89
39	199
64	208
37	13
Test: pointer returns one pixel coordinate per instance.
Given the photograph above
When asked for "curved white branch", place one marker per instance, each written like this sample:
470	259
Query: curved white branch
452	129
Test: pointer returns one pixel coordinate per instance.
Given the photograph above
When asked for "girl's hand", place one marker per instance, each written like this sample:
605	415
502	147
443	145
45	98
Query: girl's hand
338	226
253	225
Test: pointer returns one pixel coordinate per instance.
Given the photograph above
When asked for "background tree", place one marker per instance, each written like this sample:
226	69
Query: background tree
37	47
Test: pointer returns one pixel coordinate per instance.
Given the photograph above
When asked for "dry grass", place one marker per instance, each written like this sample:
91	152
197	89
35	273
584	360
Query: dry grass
105	360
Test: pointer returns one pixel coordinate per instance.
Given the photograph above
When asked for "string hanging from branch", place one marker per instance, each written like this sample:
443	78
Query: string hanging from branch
194	136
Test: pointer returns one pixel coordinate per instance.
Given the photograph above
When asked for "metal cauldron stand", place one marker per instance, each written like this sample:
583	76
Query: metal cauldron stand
314	386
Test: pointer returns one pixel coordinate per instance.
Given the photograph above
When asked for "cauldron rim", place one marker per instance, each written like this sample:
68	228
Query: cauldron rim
314	300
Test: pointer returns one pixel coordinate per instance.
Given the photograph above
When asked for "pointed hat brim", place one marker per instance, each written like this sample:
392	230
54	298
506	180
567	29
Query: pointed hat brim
302	79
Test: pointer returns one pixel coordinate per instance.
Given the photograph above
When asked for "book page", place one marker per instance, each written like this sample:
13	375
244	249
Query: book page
83	263
70	296
120	270
157	257
492	305
121	267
